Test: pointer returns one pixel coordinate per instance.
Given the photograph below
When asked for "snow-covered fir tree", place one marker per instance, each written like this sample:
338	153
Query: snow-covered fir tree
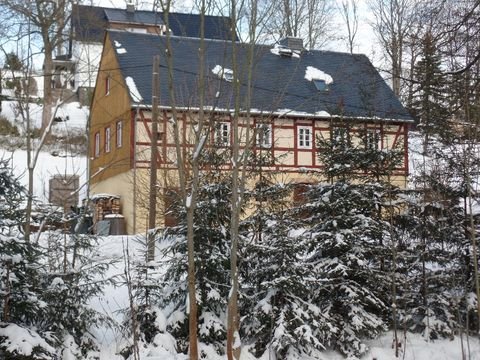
281	318
212	217
438	293
43	305
349	235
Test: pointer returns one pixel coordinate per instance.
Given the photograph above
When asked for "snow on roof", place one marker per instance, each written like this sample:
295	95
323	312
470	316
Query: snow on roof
290	112
119	48
312	73
100	196
114	216
134	93
223	73
280	50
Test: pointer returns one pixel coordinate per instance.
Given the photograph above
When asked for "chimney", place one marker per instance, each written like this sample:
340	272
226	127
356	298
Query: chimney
130	7
293	43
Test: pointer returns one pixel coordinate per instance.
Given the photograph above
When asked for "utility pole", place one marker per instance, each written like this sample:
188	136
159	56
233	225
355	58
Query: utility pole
152	213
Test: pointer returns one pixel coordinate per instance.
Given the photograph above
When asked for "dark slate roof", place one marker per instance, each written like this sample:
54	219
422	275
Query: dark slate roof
90	22
278	82
138	17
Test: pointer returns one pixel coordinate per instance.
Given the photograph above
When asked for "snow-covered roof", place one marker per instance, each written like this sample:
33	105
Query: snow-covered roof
355	88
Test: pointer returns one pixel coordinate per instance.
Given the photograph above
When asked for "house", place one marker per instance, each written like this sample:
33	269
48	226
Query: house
297	96
88	25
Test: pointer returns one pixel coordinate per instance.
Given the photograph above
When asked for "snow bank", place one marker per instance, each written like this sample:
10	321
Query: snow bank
48	165
21	341
73	113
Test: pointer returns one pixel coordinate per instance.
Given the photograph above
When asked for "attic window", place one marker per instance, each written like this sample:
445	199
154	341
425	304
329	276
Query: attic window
320	84
223	73
320	79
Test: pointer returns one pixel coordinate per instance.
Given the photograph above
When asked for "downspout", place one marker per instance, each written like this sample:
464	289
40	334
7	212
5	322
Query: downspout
134	202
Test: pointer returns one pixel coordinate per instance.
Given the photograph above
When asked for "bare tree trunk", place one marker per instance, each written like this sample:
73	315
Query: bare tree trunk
349	13
189	179
152	211
393	19
239	172
131	302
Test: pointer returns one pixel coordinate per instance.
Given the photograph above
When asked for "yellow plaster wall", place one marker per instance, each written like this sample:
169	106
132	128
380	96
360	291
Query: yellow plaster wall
106	110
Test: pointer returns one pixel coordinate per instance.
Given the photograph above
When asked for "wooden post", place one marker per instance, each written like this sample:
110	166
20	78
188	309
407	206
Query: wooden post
152	213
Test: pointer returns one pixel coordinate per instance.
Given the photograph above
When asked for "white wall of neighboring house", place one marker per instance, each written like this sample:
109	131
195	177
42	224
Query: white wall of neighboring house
87	58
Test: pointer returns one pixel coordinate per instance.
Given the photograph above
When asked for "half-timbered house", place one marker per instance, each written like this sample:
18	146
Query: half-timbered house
297	95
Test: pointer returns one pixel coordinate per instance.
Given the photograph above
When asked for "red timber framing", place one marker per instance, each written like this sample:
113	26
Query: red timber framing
399	131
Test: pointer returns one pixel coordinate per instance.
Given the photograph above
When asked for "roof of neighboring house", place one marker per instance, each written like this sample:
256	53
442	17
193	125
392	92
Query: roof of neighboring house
280	84
90	22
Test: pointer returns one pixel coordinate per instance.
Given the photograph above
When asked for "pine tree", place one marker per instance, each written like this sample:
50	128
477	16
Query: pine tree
11	196
439	266
349	235
212	218
429	105
281	316
21	303
68	289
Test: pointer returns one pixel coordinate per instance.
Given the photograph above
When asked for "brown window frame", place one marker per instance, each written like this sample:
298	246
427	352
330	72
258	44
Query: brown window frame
108	139
96	144
119	134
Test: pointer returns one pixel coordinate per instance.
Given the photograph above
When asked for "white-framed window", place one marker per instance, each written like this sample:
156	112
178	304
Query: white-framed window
96	149
222	134
373	140
119	134
304	137
264	135
108	138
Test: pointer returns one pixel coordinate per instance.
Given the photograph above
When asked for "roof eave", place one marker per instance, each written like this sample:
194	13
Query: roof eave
280	114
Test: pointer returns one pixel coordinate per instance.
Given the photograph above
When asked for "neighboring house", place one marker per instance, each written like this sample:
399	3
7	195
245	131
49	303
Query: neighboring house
88	25
297	96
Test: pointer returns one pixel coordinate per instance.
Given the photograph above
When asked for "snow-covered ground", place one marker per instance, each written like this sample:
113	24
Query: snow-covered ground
62	161
111	341
77	115
48	165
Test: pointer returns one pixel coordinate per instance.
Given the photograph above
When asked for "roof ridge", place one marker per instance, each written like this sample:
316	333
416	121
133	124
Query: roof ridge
176	37
148	11
267	46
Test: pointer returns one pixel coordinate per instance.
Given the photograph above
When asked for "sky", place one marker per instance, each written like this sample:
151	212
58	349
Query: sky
366	42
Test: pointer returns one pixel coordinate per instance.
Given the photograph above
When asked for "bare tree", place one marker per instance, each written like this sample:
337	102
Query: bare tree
189	162
349	11
307	19
392	23
46	19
